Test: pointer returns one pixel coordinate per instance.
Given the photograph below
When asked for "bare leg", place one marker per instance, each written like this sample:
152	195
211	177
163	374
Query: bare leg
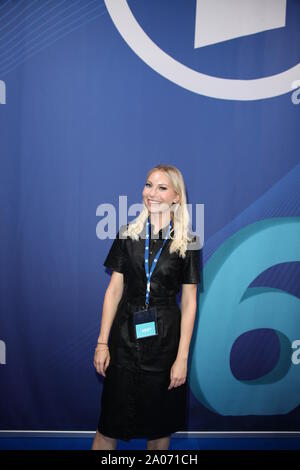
158	444
102	442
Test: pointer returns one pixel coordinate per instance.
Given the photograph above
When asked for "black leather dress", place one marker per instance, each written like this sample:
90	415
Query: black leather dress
136	402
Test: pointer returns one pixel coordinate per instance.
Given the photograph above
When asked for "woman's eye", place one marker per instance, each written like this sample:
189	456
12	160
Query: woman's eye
161	187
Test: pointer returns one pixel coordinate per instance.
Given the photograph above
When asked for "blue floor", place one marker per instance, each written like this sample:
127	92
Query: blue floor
43	443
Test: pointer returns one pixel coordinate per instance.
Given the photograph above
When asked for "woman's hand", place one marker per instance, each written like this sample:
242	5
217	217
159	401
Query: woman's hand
178	373
101	359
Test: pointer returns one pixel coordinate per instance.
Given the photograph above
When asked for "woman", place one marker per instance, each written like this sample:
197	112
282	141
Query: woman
145	362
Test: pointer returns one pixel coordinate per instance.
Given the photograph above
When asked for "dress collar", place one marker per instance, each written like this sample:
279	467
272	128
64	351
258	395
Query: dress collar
162	233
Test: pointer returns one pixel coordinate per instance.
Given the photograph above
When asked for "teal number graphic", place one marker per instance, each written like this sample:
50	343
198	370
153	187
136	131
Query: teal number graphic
227	308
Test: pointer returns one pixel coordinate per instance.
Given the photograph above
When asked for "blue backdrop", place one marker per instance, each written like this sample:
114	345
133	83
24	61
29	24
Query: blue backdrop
93	94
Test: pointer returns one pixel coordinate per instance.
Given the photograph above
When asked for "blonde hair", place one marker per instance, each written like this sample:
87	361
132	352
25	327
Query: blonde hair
179	213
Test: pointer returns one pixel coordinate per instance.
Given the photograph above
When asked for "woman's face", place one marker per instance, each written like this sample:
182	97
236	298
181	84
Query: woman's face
158	194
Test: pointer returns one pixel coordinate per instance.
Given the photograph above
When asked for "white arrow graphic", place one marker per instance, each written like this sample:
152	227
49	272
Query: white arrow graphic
220	20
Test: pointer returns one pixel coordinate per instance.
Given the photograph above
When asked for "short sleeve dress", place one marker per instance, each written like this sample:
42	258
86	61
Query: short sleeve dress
136	402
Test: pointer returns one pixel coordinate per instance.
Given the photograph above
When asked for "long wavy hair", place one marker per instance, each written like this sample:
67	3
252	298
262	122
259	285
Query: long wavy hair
179	234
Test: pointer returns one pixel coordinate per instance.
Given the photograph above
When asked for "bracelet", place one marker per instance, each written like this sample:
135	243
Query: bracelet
102	343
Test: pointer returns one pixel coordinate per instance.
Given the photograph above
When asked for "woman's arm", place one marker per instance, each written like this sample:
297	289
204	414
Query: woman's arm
111	301
188	314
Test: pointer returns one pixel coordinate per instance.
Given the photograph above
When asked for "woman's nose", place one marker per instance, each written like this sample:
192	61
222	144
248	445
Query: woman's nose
152	194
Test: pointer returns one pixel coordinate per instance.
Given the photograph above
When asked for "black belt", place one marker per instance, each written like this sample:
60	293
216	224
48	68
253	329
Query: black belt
159	301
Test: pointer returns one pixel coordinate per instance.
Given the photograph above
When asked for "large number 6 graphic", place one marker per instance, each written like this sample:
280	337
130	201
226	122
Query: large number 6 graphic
228	308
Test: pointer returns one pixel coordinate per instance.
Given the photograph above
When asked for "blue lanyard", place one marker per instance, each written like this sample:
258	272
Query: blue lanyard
148	275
